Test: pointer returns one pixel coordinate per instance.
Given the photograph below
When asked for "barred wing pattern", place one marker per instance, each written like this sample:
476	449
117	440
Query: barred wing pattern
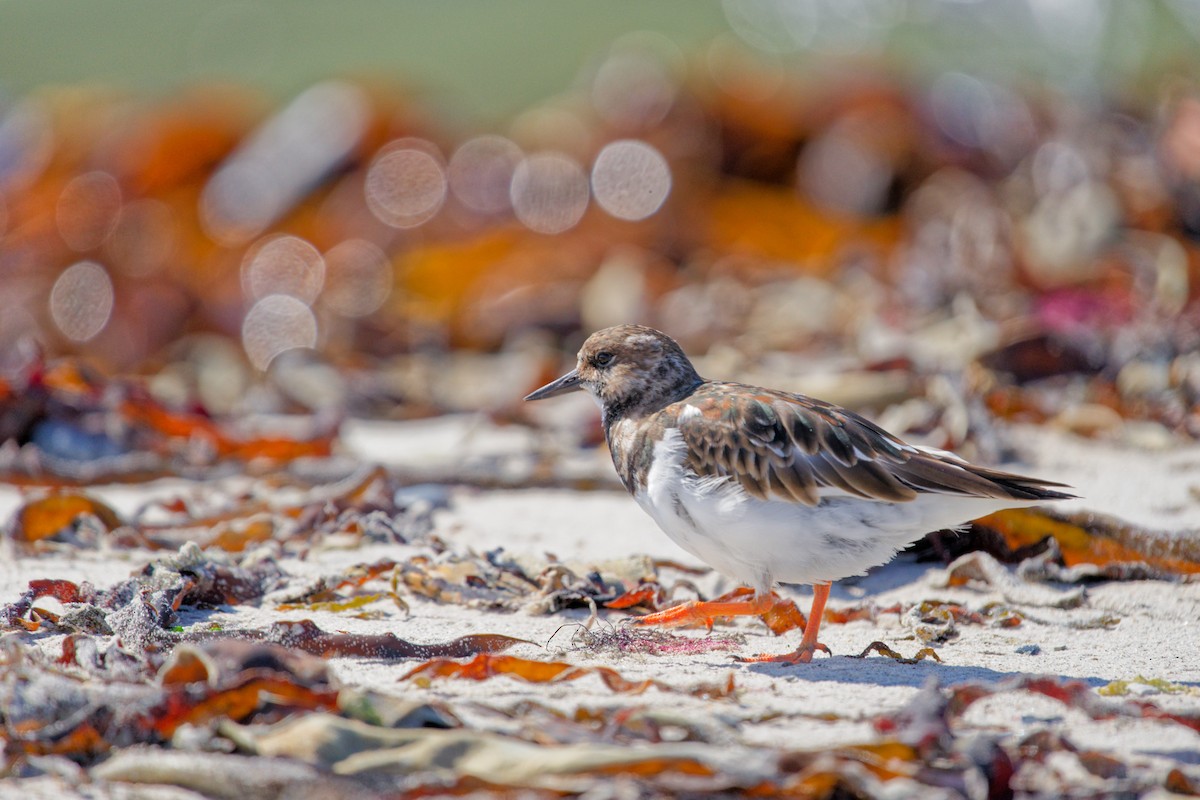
790	447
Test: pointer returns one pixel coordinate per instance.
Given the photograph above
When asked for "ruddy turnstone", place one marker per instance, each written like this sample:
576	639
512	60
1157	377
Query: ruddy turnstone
769	486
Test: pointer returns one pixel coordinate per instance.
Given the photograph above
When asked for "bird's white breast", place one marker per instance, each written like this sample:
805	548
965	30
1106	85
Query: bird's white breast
761	541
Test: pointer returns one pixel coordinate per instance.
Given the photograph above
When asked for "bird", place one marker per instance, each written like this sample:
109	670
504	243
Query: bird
768	486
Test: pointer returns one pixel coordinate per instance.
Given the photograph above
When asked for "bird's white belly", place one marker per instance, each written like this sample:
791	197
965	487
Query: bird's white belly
761	541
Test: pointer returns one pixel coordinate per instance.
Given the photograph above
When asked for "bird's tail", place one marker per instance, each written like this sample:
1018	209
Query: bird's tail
1021	487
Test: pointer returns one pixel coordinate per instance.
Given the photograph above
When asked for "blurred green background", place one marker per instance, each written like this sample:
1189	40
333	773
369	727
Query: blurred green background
484	60
476	58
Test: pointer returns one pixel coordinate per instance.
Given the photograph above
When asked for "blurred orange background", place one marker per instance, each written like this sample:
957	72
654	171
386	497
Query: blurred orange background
220	197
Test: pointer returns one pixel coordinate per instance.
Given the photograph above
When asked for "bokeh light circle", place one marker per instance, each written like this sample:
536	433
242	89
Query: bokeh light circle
549	192
360	278
275	324
840	173
406	184
283	264
630	179
635	86
87	210
81	301
481	171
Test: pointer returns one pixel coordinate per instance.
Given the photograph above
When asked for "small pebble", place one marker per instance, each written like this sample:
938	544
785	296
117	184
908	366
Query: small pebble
1029	650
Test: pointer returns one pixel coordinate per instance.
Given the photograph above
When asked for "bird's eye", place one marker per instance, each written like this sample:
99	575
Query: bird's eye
603	359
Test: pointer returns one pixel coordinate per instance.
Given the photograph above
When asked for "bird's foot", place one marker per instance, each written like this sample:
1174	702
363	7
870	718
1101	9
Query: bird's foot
802	655
809	644
705	612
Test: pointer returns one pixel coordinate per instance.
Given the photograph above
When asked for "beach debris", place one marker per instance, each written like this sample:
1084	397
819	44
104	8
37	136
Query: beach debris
1139	685
485	666
453	761
341	593
936	621
884	650
624	724
150	600
49	711
495	581
630	640
62	513
983	569
223	775
914	722
1096	546
105	672
305	635
923	748
648	595
77	427
366	504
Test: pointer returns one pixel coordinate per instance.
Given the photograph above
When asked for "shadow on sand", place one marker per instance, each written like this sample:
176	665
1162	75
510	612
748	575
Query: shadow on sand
881	671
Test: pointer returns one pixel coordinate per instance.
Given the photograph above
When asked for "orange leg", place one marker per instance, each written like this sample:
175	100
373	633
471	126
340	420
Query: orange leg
809	644
694	611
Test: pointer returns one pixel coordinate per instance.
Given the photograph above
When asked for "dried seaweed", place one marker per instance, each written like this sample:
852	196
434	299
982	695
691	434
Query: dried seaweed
983	569
1093	546
365	504
493	581
632	724
305	635
227	680
57	512
648	596
1151	685
205	681
78	427
225	775
883	650
485	666
912	723
921	751
147	603
439	759
862	611
652	642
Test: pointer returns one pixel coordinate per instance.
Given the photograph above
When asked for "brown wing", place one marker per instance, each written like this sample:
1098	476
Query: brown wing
789	447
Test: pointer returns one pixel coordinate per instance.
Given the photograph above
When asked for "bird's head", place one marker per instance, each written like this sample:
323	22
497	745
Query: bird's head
627	368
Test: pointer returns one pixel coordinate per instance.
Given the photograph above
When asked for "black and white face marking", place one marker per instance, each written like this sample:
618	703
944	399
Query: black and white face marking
633	370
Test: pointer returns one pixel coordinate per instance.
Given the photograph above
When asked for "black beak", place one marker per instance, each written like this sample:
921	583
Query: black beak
567	383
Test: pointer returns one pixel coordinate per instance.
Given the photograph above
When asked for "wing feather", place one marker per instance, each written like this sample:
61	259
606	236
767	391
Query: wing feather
790	447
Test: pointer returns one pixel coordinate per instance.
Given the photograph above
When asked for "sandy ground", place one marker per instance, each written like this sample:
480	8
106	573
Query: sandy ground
832	700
